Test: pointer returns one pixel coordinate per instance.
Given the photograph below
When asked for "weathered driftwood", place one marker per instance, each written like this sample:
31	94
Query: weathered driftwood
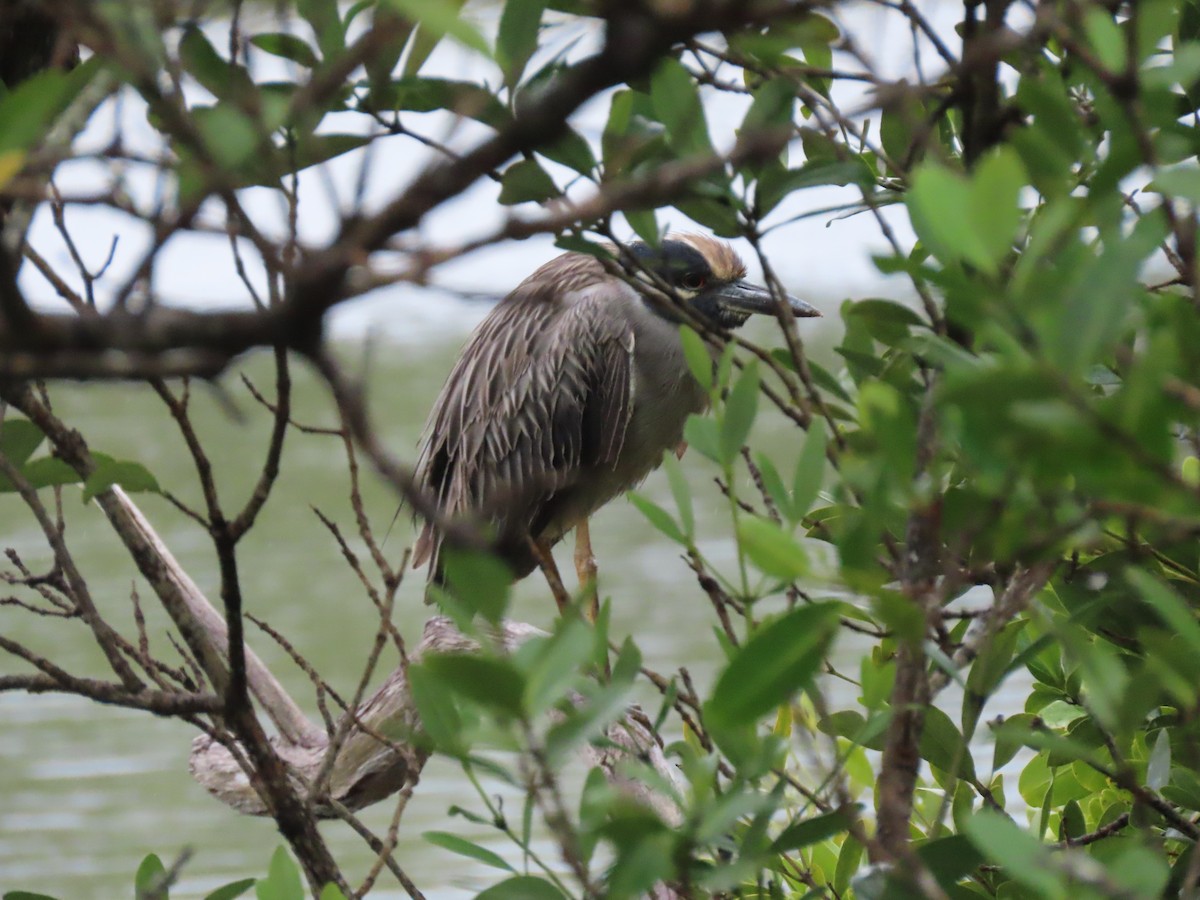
378	755
201	625
370	767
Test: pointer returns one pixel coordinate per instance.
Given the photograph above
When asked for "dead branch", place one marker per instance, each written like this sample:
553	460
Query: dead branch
369	768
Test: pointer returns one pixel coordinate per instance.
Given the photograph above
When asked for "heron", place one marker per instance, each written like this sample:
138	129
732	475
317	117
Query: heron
571	390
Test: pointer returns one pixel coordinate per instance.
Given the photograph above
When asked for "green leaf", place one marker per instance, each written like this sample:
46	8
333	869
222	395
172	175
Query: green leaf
632	137
1184	789
1095	307
775	183
773	104
525	182
382	64
950	859
988	670
718	214
1139	870
1181	67
1182	182
1106	39
682	493
491	682
479	580
821	376
810	468
463	847
849	858
779	659
573	151
440	718
773	483
643	858
888	416
282	881
722	815
698	356
1073	824
740	411
287	46
1156	19
645	225
221	78
701	433
943	746
442	18
132	476
628	665
939	205
1023	857
901	131
677	105
1168	604
232	138
518	36
587	722
899	614
811	831
150	874
522	887
28	109
850	725
136	30
18	439
886	321
1010	738
818	145
232	890
322	16
658	517
1158	767
552	664
464	98
772	549
26	895
311	150
993	204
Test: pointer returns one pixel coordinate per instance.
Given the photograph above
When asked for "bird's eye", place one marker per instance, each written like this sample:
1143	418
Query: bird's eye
693	281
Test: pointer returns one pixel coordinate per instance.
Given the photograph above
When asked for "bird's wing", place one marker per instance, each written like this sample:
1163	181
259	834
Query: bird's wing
542	391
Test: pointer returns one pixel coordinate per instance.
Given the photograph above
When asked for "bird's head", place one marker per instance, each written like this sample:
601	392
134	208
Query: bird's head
709	276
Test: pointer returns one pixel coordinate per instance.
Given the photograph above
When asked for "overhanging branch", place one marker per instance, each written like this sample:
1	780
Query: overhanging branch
162	341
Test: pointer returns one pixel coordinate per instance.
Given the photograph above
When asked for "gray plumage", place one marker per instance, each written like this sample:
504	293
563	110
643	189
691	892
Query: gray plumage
569	392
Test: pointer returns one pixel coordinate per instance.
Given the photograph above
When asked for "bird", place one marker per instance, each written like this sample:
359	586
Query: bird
570	391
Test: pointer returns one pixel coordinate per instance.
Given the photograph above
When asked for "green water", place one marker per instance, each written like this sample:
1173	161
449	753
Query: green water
86	790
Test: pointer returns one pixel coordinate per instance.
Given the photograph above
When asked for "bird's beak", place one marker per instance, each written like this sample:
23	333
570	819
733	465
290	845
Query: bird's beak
751	298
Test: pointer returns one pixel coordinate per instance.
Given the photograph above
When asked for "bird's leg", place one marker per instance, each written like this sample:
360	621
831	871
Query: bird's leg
545	560
585	568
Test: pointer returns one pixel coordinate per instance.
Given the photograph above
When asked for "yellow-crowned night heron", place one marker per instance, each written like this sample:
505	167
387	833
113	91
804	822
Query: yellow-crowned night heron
570	391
